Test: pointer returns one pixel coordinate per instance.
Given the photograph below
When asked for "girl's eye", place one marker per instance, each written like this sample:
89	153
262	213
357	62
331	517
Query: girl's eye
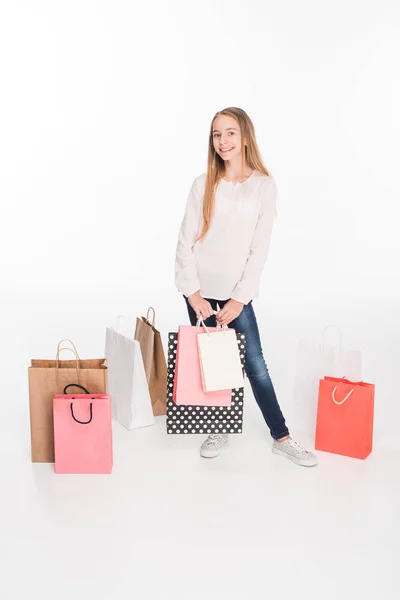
217	134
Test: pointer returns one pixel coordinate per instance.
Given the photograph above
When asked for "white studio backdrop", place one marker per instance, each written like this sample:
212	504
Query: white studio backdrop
105	112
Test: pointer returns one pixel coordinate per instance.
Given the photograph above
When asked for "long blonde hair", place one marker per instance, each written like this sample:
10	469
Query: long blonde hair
251	157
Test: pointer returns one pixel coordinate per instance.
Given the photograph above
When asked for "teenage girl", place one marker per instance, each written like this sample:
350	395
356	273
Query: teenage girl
221	252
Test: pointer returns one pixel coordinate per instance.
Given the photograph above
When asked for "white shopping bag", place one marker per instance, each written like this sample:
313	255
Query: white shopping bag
127	383
219	355
315	360
333	360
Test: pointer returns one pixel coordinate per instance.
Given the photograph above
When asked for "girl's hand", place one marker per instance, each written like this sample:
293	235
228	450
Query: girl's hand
229	312
201	307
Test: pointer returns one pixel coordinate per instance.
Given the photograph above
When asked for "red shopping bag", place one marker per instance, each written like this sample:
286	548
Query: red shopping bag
82	432
345	417
188	385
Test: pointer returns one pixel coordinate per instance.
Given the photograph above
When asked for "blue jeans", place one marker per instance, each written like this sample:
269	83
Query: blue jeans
255	367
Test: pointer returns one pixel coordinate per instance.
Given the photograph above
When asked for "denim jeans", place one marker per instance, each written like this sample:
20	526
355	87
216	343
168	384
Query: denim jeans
255	367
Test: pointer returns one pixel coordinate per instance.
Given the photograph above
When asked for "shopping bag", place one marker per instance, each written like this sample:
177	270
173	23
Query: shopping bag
219	356
182	419
188	387
155	365
46	379
82	433
130	397
336	360
317	358
345	417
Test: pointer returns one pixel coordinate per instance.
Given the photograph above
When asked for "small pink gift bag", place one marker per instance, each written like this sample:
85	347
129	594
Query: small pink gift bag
188	386
82	433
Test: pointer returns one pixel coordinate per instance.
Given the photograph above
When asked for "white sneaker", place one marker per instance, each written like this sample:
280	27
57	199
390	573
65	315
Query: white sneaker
210	448
295	452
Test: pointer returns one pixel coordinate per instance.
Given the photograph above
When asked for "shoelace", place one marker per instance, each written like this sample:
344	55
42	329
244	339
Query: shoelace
297	449
213	439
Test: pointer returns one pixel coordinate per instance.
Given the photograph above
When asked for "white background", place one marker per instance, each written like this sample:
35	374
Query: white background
105	114
105	111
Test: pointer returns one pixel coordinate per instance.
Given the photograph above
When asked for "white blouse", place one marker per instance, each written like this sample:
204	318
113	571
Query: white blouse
228	261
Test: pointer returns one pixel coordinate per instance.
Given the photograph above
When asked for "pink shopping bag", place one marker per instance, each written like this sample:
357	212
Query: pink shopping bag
188	386
82	433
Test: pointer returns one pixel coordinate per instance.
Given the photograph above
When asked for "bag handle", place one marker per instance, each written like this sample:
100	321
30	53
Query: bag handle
154	316
75	385
77	420
76	357
219	327
345	398
72	406
201	321
127	328
73	350
339	331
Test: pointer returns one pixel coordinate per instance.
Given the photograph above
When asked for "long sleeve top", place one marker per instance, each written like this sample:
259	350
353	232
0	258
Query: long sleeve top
228	261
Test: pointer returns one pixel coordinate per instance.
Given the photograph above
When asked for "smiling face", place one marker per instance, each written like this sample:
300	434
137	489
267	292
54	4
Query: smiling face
227	139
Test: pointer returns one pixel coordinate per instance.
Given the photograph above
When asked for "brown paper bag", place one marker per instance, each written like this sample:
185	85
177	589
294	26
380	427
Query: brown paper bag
155	365
48	378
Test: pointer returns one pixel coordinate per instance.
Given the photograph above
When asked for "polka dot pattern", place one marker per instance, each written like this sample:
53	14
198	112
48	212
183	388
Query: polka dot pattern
203	419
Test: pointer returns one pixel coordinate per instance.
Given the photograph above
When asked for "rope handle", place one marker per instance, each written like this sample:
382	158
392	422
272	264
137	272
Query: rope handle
72	407
339	351
219	327
74	350
75	385
344	399
118	321
69	350
339	331
77	420
154	316
200	321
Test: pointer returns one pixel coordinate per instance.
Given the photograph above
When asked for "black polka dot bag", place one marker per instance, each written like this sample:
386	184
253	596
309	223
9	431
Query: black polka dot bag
203	419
